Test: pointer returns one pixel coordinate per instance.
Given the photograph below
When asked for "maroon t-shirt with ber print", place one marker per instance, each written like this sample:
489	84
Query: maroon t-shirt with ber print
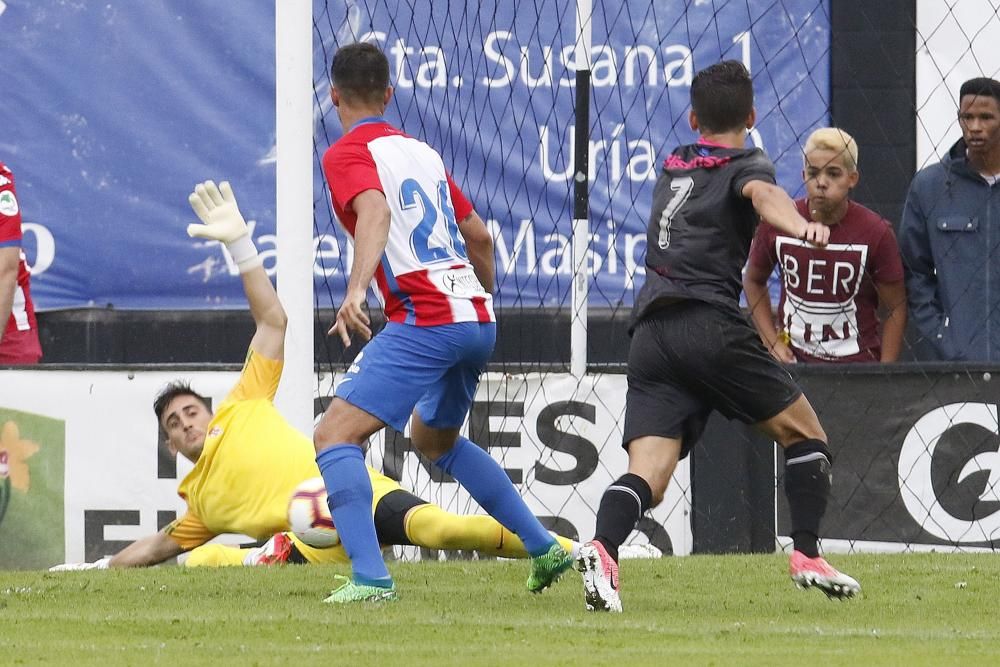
829	303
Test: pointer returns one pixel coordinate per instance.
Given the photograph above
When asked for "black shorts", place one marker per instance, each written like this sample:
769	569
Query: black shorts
693	357
390	516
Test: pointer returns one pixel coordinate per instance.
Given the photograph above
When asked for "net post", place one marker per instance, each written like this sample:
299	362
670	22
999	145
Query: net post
581	182
294	183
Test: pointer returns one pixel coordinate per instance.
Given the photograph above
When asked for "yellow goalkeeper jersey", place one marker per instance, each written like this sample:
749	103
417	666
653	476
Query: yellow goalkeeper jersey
251	463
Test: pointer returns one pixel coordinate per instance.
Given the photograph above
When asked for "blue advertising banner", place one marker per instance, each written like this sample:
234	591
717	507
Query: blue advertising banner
114	110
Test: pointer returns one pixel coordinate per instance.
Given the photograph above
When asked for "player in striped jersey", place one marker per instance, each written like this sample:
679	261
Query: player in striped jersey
429	257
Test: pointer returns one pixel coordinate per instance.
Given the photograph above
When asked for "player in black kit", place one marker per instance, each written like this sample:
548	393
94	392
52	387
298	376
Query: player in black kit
693	350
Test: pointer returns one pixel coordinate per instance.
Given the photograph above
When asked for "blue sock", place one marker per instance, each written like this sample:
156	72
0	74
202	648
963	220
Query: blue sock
349	495
487	482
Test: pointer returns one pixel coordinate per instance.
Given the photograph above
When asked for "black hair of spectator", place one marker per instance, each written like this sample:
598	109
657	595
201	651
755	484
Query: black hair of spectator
981	86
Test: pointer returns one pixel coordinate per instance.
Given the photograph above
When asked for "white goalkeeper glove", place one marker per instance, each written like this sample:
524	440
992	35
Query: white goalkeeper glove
222	221
101	564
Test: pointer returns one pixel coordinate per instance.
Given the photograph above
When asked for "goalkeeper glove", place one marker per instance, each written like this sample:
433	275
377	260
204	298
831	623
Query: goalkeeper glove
101	564
216	208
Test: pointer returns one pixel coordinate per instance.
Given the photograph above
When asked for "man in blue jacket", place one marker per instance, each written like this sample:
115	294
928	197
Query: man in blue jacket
950	235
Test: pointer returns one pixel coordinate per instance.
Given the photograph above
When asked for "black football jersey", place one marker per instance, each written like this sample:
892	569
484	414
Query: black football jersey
701	226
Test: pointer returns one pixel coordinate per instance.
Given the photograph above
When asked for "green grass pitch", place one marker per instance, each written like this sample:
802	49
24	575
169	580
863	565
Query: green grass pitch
916	609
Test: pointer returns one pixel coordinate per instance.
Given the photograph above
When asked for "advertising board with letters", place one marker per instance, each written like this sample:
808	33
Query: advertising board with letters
559	441
916	461
109	163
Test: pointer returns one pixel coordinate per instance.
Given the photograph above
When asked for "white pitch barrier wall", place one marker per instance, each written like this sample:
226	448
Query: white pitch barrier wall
83	469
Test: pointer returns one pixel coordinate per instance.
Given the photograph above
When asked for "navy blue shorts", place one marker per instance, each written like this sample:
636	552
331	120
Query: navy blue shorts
434	370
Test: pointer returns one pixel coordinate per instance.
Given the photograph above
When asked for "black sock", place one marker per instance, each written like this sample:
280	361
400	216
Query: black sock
295	556
807	487
622	505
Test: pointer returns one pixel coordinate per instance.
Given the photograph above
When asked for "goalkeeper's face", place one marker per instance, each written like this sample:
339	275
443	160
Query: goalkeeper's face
185	422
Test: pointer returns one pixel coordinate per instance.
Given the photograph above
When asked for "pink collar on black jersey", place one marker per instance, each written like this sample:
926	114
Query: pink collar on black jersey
708	142
703	161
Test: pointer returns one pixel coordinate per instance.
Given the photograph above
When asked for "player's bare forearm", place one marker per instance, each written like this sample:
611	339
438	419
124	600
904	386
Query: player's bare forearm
268	314
892	302
9	258
777	209
371	233
147	551
479	245
370	236
483	264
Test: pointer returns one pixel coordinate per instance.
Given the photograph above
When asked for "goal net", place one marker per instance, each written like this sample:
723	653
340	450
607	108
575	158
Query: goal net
494	89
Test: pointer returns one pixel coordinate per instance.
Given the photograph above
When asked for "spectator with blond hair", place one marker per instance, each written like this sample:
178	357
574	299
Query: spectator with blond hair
830	297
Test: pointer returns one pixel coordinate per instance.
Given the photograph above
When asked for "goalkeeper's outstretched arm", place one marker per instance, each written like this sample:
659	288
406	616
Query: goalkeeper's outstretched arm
150	550
222	221
268	314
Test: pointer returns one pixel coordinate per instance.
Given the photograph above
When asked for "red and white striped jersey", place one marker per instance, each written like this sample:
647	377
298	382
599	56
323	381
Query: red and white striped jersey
425	277
22	315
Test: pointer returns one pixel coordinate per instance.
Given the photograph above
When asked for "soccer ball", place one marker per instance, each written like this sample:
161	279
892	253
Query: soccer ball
309	517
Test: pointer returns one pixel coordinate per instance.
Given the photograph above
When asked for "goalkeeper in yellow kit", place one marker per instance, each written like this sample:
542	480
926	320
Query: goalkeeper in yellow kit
248	459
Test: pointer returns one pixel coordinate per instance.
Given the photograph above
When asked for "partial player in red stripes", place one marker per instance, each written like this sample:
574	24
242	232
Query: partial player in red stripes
18	328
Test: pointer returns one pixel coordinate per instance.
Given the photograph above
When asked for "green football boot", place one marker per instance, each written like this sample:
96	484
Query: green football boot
548	567
350	591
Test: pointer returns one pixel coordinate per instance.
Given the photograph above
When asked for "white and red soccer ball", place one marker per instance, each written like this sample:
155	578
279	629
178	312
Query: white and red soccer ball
309	516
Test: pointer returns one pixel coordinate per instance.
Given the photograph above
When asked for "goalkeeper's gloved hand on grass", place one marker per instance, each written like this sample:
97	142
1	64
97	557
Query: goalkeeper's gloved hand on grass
222	221
101	564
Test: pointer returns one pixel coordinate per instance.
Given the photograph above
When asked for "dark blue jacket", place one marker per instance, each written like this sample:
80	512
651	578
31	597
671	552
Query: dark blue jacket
950	242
